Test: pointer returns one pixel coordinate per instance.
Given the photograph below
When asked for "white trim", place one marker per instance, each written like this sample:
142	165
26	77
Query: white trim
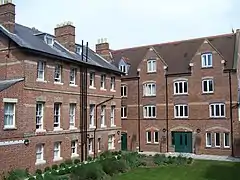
10	100
178	109
224	136
215	139
122	91
9	143
154	137
181	83
206	55
218	105
148	142
208	85
207	138
151	65
151	108
124	111
149	89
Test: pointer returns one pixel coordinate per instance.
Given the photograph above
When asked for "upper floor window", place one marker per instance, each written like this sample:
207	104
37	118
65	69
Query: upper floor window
123	112
124	91
103	111
73	72
112	83
181	111
39	116
58	73
149	89
103	81
123	68
149	111
217	110
92	79
180	87
206	60
207	86
57	108
9	115
78	50
49	40
151	65
91	115
40	70
72	115
112	115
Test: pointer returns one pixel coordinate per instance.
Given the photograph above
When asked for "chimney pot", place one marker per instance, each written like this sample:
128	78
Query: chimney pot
7	15
65	35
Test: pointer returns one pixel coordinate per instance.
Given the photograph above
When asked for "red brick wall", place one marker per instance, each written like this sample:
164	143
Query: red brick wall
198	103
30	90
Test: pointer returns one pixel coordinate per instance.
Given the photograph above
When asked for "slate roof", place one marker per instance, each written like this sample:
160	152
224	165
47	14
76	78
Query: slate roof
4	84
177	55
33	39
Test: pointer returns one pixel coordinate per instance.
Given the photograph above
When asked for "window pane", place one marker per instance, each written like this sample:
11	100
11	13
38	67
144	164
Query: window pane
217	109
222	110
185	87
217	139
226	139
186	110
209	140
176	88
210	85
156	136
205	86
180	87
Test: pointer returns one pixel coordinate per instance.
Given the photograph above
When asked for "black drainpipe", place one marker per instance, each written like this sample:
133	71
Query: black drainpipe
231	107
139	122
166	92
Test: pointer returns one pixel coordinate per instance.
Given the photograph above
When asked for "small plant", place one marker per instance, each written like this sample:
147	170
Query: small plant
62	172
55	167
89	158
31	178
159	159
76	161
39	177
54	172
62	165
47	169
17	174
68	162
189	160
38	171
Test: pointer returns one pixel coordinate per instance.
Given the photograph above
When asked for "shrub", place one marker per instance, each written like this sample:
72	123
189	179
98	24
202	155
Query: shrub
181	160
62	165
39	177
132	159
48	176
105	154
89	158
68	162
62	172
76	161
54	166
91	171
159	159
17	174
47	169
54	172
189	160
31	178
38	171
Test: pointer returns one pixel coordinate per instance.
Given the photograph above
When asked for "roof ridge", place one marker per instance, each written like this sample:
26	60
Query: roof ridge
172	42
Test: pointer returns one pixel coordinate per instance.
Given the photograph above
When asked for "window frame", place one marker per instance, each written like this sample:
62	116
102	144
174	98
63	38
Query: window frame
224	140
206	64
217	105
123	112
207	91
57	144
90	145
41	147
215	144
58	71
103	81
40	115
13	114
73	71
72	115
112	116
39	70
179	83
154	137
151	65
103	116
124	90
148	135
112	83
148	89
178	116
58	105
111	142
92	79
146	111
92	115
74	148
206	139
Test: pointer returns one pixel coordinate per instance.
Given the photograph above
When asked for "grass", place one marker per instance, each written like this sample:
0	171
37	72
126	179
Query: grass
199	170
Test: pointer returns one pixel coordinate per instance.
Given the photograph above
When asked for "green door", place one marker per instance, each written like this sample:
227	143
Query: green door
183	142
124	141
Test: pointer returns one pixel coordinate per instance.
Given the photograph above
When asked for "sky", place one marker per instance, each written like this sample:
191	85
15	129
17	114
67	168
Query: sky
130	23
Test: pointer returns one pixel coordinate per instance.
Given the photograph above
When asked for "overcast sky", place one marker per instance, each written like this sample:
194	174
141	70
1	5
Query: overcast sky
127	23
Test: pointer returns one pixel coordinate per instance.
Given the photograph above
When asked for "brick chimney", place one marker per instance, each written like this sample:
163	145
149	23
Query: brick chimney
65	35
102	48
7	15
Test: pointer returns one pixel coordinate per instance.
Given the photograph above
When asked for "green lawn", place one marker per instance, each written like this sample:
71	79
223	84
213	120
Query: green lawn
199	170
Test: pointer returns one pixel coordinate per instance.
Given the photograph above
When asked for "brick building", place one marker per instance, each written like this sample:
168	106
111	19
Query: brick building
180	96
40	92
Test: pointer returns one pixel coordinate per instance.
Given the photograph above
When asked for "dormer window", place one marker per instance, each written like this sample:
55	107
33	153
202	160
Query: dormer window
151	66
78	50
123	68
49	40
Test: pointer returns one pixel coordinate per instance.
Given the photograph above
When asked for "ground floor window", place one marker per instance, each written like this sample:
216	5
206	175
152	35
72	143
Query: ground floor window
148	136
226	138
111	142
208	139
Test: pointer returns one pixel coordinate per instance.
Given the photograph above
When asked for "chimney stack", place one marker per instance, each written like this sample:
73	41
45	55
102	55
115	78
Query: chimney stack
7	15
65	35
102	48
